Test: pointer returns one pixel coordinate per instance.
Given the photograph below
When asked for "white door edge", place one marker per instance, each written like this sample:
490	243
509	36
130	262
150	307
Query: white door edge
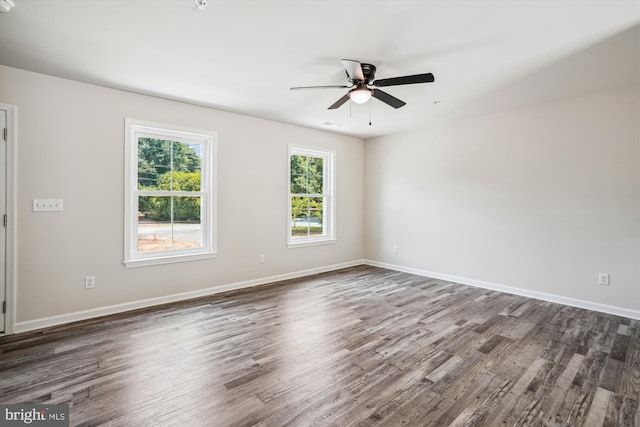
12	218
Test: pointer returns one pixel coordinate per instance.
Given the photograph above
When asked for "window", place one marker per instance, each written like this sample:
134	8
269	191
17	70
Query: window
311	204
170	200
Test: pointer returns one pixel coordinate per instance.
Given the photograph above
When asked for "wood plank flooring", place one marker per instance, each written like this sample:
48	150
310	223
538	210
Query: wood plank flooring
362	346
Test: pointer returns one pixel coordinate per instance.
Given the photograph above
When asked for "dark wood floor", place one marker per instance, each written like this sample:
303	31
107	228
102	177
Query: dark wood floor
363	346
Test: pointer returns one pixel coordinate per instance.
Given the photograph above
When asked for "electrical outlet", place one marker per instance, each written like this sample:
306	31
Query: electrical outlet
90	282
47	205
261	259
603	279
395	249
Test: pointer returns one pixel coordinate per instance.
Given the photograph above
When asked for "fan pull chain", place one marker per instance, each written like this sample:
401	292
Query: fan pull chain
369	112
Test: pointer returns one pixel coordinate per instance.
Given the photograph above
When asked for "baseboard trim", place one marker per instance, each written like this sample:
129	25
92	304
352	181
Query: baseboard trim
603	308
61	319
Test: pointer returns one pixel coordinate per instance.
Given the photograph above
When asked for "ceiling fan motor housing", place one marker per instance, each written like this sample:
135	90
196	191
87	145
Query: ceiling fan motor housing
369	72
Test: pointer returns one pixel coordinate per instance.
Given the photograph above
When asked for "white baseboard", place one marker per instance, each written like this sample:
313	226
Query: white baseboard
46	322
603	308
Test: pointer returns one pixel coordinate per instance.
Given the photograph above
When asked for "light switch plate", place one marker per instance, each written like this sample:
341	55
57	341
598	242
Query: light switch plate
47	205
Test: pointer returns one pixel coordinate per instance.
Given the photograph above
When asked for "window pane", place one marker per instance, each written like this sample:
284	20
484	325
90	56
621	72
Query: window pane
154	224
299	216
315	180
298	175
306	175
169	165
187	157
187	225
307	216
181	181
299	184
154	160
316	215
166	223
186	209
298	165
299	206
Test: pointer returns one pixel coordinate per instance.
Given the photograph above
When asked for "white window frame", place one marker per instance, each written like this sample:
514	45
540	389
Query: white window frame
135	129
329	224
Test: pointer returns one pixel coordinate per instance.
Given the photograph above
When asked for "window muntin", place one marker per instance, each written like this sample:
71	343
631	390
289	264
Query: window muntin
311	217
170	204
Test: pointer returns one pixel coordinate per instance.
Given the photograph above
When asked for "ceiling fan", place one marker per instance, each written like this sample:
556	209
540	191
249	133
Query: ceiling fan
363	86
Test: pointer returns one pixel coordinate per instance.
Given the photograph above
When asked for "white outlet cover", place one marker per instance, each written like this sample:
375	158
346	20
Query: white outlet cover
89	282
603	279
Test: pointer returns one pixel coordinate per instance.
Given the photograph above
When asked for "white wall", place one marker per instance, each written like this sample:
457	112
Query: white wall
71	146
541	199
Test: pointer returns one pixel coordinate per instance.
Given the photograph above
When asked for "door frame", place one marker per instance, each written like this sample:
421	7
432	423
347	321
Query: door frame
12	218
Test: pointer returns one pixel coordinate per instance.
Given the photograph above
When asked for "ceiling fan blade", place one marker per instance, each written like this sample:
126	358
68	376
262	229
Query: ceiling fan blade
319	87
339	102
405	80
354	69
388	99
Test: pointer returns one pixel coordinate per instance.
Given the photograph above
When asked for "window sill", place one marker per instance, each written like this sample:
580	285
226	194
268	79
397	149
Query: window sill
306	243
168	259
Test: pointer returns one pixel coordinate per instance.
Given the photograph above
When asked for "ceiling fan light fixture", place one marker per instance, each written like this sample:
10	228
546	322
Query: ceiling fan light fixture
360	95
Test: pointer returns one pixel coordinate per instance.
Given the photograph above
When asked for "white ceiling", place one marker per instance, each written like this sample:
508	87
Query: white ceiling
243	56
